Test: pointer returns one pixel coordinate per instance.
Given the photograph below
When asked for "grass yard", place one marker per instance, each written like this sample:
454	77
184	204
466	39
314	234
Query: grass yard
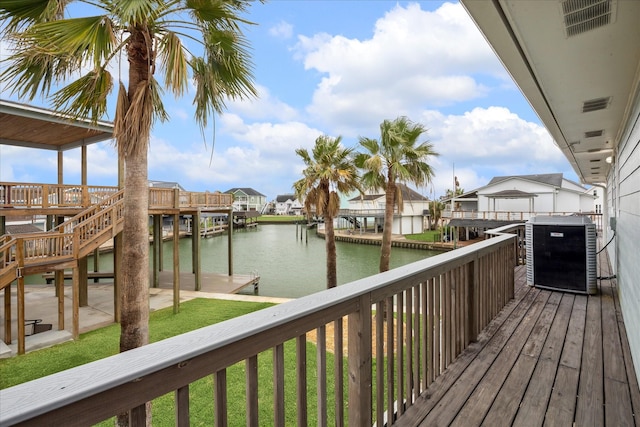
427	236
280	218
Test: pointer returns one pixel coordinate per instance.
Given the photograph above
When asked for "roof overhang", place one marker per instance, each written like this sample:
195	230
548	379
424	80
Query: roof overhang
26	126
582	83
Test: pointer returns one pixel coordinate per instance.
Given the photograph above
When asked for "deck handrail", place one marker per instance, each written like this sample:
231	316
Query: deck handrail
34	195
445	301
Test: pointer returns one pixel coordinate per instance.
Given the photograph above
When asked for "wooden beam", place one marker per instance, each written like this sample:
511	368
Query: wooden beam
360	400
195	248
176	264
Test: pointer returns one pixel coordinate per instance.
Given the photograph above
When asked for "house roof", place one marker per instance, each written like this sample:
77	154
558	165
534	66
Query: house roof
511	194
554	179
284	197
27	126
245	190
407	195
165	184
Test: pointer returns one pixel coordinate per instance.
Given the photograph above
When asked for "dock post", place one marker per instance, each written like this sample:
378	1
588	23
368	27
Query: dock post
157	241
230	242
195	250
176	264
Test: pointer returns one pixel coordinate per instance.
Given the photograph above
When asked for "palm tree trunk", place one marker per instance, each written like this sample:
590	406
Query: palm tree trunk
330	244
385	249
135	258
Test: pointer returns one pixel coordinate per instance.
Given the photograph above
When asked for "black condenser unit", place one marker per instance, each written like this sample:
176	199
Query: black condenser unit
561	253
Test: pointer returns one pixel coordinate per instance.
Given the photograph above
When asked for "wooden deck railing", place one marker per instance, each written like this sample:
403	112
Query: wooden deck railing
412	321
28	195
515	215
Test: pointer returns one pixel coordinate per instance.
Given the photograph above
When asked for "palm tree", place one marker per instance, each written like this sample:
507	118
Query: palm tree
51	57
396	158
329	171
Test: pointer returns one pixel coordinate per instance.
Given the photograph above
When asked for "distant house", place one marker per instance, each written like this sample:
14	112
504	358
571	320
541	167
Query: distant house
520	197
247	199
288	204
166	184
369	208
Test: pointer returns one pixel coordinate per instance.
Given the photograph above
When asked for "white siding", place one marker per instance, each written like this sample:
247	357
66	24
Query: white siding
627	208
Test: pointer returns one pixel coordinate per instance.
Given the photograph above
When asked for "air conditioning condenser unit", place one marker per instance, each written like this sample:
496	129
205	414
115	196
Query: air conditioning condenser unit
561	253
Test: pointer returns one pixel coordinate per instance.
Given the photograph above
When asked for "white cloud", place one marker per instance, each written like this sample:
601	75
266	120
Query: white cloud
264	107
282	30
415	59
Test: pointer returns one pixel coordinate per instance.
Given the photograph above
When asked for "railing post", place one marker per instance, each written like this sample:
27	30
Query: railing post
472	323
360	400
176	198
20	297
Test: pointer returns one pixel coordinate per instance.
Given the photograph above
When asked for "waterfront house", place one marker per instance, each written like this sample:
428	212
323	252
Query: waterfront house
367	210
520	197
247	199
288	204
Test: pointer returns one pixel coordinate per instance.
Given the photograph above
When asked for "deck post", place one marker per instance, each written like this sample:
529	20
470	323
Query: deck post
157	242
176	264
195	248
359	364
20	279
117	275
230	241
7	314
83	282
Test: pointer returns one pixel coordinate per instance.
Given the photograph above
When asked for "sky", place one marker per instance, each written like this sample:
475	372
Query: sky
336	68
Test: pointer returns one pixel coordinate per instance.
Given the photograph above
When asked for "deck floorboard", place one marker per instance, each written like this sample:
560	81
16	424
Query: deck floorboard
548	359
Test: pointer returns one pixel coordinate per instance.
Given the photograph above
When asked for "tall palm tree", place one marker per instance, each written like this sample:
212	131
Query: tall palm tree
69	60
397	158
329	171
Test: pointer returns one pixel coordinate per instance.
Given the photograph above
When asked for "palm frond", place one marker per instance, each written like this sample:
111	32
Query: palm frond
86	96
19	14
174	62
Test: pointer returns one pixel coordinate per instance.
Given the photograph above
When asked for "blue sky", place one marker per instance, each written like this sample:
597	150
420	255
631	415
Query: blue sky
337	68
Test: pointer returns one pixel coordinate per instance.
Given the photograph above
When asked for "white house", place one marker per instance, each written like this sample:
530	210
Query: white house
368	209
288	204
247	199
519	197
577	64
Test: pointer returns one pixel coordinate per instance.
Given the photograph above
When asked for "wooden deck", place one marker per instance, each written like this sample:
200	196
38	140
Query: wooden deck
211	282
549	358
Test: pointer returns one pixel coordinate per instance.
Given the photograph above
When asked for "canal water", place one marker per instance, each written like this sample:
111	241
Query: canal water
287	266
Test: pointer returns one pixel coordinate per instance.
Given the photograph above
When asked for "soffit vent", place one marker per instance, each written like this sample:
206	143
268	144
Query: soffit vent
593	133
595	104
594	160
585	15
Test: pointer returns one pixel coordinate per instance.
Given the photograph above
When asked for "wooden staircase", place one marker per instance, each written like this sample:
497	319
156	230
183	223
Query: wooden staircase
61	247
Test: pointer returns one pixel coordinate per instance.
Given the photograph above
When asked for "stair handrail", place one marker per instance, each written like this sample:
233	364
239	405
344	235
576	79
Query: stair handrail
69	224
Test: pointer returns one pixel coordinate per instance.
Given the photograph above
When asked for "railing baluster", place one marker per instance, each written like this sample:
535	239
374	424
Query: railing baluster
418	314
220	398
437	327
321	385
301	386
251	365
388	313
400	352
278	385
408	323
338	346
182	406
380	387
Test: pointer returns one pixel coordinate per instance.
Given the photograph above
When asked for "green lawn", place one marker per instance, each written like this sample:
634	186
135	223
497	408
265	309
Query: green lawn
427	236
280	218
